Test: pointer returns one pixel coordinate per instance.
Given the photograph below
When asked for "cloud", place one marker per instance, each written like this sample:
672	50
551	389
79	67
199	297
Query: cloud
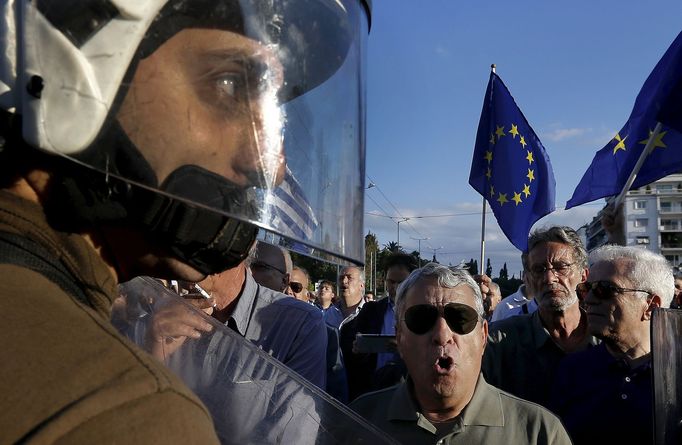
561	134
442	51
458	237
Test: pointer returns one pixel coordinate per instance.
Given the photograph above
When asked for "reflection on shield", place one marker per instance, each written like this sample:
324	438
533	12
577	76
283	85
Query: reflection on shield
253	398
666	351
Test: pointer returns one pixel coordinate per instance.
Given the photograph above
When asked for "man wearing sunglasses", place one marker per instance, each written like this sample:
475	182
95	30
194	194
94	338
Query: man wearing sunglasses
298	284
524	351
604	395
271	266
441	335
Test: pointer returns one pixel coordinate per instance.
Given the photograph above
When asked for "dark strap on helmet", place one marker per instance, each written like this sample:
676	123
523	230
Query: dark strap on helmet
21	251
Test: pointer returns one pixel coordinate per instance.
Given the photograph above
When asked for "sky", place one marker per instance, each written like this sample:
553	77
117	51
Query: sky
574	69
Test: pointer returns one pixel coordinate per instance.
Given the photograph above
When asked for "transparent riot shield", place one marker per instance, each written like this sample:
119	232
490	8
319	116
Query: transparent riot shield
666	351
253	398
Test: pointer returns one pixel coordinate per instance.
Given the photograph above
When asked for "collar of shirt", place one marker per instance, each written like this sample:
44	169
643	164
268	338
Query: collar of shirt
541	334
520	295
354	314
485	408
621	366
240	318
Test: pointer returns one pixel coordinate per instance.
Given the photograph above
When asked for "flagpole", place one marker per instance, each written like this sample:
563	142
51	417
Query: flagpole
642	157
485	205
483	232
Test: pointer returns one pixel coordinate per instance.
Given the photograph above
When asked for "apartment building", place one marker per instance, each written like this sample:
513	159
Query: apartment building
652	219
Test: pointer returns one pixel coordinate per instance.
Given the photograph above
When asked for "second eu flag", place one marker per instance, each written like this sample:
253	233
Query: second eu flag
510	167
658	101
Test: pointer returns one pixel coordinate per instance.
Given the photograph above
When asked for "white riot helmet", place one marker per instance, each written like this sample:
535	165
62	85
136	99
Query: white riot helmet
199	120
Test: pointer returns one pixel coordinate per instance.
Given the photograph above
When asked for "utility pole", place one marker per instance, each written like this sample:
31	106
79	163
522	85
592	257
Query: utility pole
419	249
400	221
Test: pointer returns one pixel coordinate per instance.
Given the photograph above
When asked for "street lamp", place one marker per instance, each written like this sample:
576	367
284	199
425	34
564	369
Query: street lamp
434	251
419	249
399	221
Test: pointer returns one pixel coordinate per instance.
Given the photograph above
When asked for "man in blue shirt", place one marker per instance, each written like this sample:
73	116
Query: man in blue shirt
330	312
604	394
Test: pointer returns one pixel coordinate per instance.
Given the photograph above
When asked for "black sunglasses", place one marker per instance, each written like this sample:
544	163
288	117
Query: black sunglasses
261	265
603	290
461	318
296	287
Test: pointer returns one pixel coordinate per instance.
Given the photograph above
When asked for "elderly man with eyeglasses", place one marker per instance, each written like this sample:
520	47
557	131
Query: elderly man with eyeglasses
441	335
604	395
524	351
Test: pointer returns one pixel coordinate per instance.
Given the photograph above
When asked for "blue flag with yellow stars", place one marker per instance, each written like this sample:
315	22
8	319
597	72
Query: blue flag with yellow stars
656	102
510	167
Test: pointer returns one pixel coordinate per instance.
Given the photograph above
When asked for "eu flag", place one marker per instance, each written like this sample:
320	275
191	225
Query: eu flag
510	167
656	102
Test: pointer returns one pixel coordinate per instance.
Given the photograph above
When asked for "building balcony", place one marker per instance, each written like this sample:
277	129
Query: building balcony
671	246
670	210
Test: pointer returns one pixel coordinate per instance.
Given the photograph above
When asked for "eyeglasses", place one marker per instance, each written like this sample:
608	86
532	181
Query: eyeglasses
604	290
461	318
261	265
558	269
295	287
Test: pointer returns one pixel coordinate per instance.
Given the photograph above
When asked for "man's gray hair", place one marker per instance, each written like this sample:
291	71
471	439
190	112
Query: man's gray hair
359	269
558	234
648	271
446	277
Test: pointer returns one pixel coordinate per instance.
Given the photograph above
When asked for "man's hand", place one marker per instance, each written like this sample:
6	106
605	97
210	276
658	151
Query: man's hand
491	293
174	322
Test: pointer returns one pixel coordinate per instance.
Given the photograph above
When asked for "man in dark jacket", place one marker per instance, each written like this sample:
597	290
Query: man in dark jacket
370	371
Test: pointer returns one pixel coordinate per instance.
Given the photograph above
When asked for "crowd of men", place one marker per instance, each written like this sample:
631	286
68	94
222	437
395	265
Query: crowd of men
574	365
147	139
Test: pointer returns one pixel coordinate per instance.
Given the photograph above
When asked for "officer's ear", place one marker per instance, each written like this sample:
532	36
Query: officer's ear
653	302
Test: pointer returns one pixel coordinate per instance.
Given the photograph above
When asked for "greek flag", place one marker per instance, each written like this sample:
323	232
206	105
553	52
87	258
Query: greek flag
291	212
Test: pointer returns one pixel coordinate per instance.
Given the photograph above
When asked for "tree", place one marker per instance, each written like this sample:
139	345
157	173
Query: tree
371	259
472	266
318	270
489	269
504	274
393	247
417	258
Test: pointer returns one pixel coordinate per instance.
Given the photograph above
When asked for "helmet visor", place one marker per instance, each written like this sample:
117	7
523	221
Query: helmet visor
253	109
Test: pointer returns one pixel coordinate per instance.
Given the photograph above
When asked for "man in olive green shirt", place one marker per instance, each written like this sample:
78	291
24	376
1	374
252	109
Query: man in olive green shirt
441	335
524	352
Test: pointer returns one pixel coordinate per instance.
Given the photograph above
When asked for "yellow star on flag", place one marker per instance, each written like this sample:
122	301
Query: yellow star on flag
492	191
517	198
522	141
492	139
499	132
530	157
488	156
502	198
526	190
658	142
620	145
488	173
514	131
530	175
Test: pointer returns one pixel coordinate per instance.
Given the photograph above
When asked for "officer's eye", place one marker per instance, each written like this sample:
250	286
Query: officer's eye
230	84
